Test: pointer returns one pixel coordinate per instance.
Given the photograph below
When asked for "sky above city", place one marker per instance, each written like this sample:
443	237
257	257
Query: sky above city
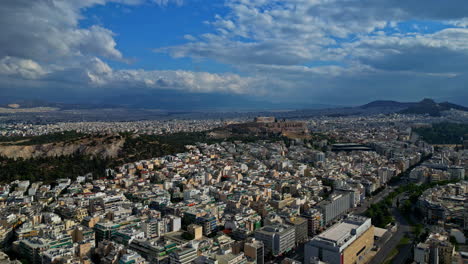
334	52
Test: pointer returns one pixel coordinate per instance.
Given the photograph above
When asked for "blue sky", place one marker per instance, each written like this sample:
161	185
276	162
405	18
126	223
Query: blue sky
282	51
140	29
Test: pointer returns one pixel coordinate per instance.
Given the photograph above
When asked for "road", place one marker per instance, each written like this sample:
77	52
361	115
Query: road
404	252
404	229
361	209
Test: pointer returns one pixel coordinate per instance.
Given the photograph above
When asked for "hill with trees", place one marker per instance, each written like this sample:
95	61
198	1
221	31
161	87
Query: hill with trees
443	133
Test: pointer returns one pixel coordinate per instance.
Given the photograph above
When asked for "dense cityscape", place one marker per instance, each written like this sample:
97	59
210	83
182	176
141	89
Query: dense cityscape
233	132
368	190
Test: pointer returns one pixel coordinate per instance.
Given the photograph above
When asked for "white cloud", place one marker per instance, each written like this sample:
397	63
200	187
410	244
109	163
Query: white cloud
297	32
23	68
182	80
438	53
318	49
46	31
167	2
42	41
95	73
321	47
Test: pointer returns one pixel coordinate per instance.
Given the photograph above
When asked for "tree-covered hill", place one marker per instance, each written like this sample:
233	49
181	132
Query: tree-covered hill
443	133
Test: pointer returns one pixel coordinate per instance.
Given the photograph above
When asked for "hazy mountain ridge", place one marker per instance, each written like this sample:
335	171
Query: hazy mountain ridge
387	104
424	107
430	107
45	112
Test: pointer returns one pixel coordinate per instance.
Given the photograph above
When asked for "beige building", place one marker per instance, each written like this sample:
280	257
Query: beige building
196	231
83	250
347	242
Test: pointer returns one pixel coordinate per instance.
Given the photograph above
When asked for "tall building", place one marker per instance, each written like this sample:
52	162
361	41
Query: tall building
335	206
346	242
174	223
314	221
254	249
354	195
300	226
277	239
209	224
151	228
385	174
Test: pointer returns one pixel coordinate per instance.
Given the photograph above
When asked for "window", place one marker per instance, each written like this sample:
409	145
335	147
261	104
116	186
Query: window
360	251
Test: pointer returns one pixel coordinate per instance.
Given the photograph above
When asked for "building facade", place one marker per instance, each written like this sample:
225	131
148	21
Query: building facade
277	239
254	249
334	207
346	242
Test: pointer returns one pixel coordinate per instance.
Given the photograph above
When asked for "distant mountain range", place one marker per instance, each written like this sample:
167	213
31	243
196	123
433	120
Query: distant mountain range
426	106
196	108
387	104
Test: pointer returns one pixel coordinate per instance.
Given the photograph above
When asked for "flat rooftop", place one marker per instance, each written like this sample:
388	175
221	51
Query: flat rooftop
343	232
379	232
338	232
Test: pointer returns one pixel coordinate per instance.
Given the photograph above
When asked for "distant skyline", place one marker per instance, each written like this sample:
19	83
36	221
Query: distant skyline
284	52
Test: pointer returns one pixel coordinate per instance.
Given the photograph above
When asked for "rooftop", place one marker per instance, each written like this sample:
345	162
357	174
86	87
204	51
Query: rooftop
339	232
274	228
343	232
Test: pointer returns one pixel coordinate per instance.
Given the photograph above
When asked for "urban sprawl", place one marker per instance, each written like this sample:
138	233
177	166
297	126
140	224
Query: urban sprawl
301	201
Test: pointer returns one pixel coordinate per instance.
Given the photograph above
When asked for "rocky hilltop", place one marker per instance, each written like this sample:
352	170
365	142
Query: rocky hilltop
105	147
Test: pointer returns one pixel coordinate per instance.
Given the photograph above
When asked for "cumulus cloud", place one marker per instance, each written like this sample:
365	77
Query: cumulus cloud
185	80
46	31
298	31
280	49
22	68
95	73
325	47
42	40
439	53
